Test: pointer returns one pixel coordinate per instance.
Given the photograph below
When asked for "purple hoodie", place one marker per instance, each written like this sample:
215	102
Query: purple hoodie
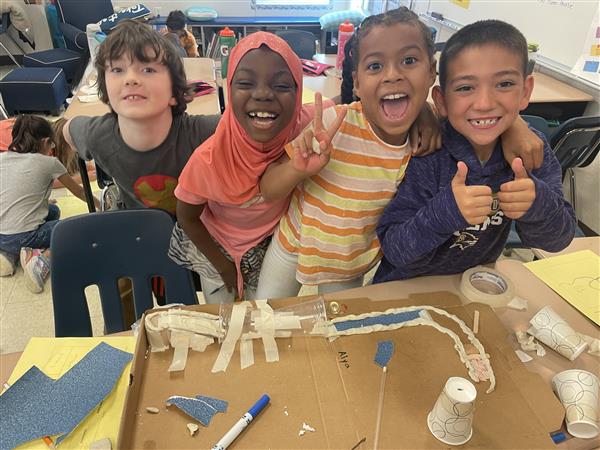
422	231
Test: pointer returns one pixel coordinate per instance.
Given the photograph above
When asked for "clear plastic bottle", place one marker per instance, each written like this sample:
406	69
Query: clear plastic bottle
226	43
345	30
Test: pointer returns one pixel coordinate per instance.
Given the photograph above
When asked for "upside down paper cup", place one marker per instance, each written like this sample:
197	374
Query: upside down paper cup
578	392
556	333
451	419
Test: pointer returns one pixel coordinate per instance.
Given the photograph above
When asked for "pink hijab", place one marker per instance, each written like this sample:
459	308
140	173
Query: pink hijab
230	163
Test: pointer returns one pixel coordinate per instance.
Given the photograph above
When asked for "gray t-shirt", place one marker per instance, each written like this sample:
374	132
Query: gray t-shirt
25	186
145	179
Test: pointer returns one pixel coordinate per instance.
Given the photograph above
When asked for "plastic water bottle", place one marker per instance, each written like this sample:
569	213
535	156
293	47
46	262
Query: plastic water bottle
226	43
345	30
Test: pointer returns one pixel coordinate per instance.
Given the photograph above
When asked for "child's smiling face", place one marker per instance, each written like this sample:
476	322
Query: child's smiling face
392	78
139	90
263	94
484	92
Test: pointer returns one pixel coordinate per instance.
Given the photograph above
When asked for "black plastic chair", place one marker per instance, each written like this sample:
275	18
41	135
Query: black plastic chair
302	42
100	248
539	123
576	143
4	25
439	46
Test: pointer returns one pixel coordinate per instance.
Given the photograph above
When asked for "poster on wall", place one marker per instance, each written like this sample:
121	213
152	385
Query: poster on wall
462	3
588	63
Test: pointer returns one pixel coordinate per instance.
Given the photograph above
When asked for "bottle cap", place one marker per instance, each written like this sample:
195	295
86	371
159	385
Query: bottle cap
346	27
226	32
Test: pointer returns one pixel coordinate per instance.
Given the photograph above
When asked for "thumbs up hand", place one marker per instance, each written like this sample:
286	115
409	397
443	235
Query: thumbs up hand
517	196
474	202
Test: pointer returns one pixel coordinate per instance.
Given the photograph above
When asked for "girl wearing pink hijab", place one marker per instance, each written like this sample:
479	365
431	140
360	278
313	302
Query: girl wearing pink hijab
224	225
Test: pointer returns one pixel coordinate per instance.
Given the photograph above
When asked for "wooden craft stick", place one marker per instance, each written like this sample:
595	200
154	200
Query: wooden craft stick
475	322
380	408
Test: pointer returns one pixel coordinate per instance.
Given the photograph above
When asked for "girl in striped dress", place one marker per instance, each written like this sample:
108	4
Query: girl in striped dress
342	184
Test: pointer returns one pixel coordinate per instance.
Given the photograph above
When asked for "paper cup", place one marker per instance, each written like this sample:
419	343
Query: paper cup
578	392
556	333
451	419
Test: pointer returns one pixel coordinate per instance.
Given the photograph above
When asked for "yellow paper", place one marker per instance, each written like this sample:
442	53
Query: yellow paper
55	356
308	96
462	3
595	50
576	277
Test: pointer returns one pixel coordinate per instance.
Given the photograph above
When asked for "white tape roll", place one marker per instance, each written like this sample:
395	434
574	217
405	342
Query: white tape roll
485	285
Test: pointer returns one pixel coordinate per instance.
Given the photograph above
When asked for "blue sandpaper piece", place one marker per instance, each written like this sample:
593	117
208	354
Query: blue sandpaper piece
219	405
18	403
384	319
37	406
99	370
200	410
385	350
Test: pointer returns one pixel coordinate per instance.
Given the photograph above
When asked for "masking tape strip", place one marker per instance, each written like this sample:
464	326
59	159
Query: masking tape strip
267	331
180	341
246	352
238	314
179	358
287	322
485	285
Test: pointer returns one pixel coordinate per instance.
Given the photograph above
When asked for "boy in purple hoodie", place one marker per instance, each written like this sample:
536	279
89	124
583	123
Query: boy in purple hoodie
454	208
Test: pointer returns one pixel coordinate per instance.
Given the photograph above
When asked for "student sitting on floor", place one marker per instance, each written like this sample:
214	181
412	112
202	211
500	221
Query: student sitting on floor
455	207
27	218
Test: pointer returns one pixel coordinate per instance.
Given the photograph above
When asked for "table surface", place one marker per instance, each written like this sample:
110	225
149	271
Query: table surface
545	90
527	286
195	69
584	243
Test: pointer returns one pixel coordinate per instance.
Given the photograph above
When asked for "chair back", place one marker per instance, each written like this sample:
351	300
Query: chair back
100	248
576	142
539	123
302	42
80	13
5	23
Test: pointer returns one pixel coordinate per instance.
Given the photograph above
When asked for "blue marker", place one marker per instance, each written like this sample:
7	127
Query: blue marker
241	424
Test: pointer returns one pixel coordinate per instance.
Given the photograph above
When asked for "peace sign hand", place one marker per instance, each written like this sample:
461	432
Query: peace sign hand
312	149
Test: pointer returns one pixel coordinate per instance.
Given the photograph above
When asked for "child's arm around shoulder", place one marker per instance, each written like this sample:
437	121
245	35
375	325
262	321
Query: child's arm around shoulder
544	219
520	141
309	152
423	214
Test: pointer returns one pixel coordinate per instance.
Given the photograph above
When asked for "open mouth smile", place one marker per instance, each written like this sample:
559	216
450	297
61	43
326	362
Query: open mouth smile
484	123
262	119
394	105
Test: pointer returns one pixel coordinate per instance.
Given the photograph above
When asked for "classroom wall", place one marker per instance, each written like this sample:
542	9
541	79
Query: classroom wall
235	8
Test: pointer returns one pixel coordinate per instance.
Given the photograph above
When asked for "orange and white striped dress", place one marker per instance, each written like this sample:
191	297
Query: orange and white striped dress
331	221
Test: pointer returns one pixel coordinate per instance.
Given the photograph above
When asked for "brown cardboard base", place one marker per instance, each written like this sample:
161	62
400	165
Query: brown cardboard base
334	387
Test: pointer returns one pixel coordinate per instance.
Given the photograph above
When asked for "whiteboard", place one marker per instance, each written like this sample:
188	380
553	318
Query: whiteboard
560	27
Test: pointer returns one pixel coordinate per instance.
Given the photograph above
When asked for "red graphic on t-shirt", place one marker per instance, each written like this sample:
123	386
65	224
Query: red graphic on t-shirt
157	191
